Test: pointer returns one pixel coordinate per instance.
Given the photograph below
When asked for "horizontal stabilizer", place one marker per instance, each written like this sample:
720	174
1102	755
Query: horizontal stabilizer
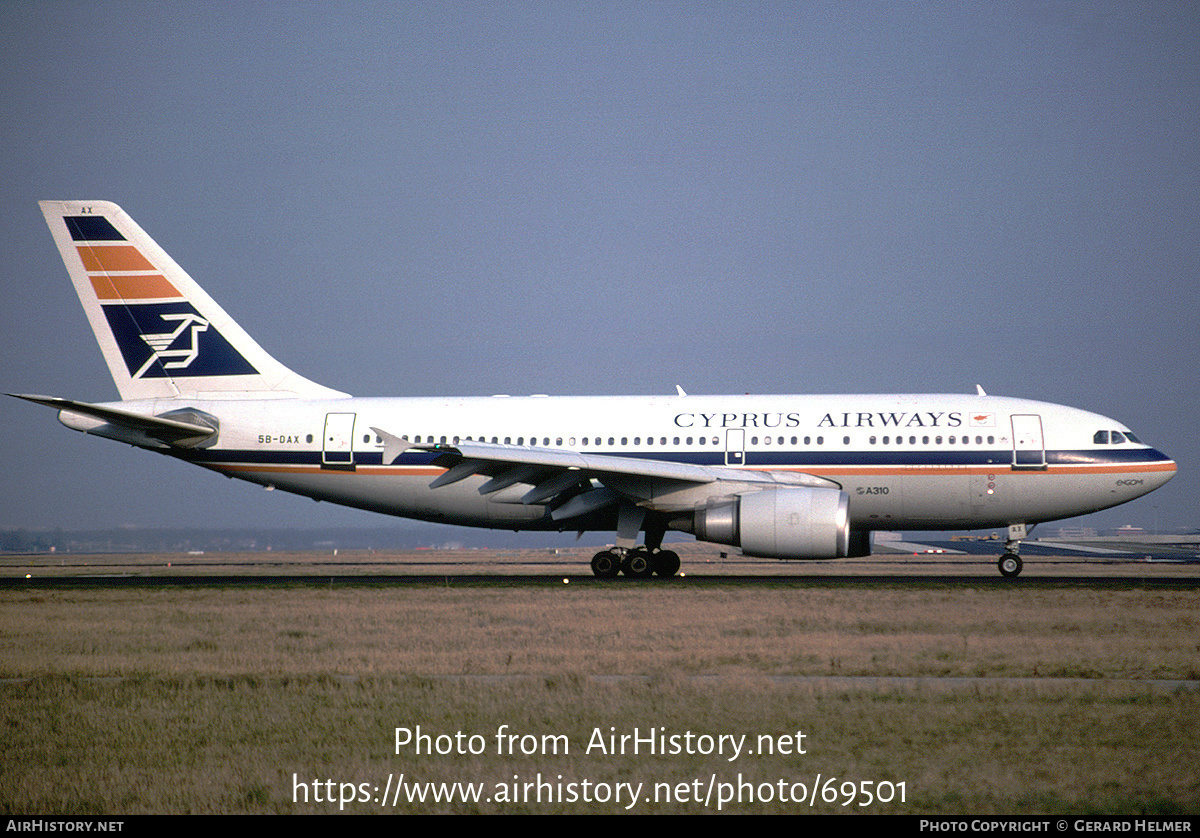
173	431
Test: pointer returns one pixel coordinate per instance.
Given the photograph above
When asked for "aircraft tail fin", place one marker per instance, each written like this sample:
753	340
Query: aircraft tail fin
162	336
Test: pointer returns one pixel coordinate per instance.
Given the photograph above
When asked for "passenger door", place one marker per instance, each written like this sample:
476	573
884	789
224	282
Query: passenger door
1029	450
735	447
338	443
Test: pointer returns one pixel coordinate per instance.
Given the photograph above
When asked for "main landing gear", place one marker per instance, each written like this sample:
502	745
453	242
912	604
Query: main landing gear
638	563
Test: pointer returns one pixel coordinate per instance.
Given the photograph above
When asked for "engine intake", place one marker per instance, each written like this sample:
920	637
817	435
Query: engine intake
792	523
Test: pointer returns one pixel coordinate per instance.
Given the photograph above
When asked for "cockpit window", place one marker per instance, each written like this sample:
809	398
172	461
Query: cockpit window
1114	438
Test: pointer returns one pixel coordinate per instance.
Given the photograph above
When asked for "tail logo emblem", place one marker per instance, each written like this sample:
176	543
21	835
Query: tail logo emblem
158	340
160	344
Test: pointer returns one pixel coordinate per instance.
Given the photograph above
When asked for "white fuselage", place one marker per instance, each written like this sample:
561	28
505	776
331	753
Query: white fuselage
906	461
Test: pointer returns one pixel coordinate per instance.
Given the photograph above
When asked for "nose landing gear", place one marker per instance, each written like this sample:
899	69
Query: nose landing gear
1010	563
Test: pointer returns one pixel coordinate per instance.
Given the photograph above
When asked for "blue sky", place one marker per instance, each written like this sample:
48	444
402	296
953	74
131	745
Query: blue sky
578	198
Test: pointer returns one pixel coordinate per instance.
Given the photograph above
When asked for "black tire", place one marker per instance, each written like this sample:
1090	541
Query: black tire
1010	565
638	564
606	564
666	563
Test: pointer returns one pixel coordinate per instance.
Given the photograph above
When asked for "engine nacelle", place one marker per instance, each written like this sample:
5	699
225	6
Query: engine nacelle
791	523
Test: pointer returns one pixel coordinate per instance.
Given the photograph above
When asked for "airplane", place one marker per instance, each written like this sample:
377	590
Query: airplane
785	477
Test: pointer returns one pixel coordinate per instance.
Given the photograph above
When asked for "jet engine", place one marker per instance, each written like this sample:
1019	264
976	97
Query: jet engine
784	523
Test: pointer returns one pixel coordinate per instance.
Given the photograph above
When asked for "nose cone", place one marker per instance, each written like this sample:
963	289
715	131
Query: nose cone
1156	471
1161	468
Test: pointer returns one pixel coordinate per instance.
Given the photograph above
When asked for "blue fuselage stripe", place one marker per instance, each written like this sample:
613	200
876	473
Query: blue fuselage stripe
716	457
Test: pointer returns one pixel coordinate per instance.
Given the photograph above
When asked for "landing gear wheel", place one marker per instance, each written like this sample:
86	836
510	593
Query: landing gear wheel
1010	565
666	563
606	564
638	563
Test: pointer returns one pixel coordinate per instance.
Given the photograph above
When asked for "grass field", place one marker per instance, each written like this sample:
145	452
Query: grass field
1031	698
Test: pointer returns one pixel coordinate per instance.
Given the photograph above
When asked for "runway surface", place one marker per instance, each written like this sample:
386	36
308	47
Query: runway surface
925	563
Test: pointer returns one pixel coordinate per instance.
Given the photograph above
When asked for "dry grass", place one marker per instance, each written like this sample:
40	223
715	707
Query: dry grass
553	629
220	694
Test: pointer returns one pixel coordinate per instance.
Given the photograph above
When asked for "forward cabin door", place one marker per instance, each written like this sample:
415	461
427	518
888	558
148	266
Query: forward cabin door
338	446
1029	449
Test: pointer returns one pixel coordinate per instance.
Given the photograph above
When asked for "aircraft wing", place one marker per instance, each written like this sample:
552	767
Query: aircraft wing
574	483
